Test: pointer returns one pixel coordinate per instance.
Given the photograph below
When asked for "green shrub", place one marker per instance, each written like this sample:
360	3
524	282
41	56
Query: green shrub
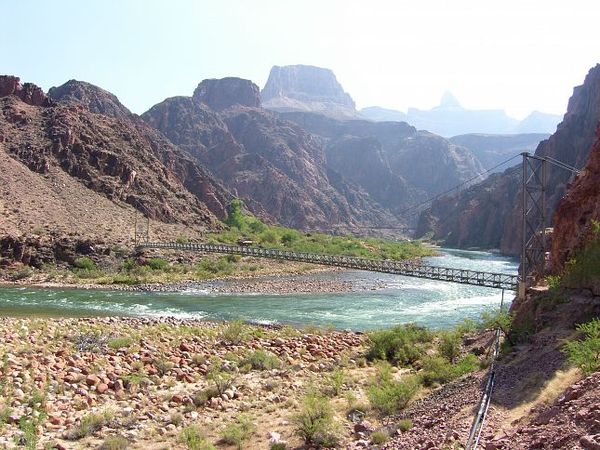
583	270
89	424
222	380
404	425
403	344
238	432
128	265
261	360
193	438
315	423
278	446
585	353
157	263
380	437
114	443
553	281
120	342
335	381
235	332
449	346
437	369
388	396
85	263
21	273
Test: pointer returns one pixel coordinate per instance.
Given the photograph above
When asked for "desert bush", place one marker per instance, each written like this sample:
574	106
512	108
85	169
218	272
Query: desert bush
261	360
388	396
380	437
449	345
402	344
335	381
21	273
89	424
193	438
85	263
404	425
437	369
585	353
238	432
120	342
221	380
235	332
315	423
114	443
157	263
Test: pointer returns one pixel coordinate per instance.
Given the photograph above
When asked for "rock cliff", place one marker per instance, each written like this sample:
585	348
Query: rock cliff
577	211
27	92
225	92
498	200
307	88
277	168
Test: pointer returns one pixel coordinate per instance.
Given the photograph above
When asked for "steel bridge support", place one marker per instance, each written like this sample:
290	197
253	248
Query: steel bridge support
533	226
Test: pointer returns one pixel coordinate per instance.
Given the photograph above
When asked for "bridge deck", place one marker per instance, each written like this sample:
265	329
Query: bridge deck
406	268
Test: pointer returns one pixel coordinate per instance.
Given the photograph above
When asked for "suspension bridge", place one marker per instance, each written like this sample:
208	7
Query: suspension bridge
410	268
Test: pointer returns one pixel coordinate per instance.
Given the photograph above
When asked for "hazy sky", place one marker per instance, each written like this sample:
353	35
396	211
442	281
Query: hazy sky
517	55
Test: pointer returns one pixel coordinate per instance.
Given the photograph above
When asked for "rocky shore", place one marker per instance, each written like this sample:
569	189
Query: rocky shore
145	380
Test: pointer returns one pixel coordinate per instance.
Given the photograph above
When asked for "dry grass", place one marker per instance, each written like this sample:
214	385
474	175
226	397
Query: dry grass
549	392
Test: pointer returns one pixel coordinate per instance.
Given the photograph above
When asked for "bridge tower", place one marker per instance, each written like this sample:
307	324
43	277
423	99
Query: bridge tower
533	227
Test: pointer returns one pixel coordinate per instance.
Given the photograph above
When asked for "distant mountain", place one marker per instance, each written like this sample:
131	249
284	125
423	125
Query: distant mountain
492	149
488	214
308	89
379	114
451	119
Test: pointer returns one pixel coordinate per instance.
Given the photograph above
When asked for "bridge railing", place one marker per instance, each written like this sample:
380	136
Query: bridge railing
409	268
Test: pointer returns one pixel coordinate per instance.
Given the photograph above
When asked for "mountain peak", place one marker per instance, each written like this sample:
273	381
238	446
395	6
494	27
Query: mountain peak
92	97
449	101
219	94
307	88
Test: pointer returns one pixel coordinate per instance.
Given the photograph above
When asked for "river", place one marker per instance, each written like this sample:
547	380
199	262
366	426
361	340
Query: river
402	299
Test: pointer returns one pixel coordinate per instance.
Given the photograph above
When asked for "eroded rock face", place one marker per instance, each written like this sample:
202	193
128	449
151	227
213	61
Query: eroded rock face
219	94
276	167
27	92
498	200
306	88
576	213
396	164
127	161
93	98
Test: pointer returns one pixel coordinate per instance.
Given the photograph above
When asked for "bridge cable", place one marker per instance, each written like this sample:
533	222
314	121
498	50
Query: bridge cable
441	194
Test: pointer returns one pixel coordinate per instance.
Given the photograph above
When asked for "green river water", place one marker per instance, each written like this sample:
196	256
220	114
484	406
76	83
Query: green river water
402	299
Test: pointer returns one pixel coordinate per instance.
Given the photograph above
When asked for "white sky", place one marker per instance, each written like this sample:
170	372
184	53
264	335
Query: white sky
514	55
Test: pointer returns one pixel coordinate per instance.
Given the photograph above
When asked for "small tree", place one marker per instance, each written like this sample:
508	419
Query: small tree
235	217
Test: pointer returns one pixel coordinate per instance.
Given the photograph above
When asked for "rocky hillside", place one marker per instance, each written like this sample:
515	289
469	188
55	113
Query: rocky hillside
70	174
470	212
276	167
93	98
396	164
307	88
